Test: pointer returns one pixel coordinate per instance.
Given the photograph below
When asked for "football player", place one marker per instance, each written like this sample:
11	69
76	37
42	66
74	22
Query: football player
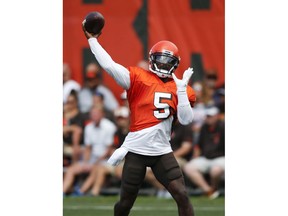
156	99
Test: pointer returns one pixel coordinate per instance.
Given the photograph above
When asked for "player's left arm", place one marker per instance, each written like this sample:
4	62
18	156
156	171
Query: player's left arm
185	113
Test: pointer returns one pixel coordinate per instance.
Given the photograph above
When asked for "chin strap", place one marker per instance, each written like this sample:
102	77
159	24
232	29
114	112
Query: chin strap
160	73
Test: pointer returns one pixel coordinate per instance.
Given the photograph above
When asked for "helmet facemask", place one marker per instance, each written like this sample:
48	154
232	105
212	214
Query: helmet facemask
163	64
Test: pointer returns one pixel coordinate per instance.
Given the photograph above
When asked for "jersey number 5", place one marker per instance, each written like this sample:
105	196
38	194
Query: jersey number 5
163	110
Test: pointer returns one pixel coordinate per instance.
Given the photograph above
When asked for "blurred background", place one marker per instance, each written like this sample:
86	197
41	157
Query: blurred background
131	28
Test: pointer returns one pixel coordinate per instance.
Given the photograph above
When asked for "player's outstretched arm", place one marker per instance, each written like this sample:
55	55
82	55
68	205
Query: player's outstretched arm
117	71
185	113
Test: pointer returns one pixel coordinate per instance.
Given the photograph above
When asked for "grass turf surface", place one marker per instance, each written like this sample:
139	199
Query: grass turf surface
144	205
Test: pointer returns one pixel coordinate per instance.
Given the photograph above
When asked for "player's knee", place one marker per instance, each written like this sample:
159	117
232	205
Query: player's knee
181	196
178	191
182	192
130	187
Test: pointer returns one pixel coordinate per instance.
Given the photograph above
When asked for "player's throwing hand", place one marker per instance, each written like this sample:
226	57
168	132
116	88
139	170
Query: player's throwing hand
87	34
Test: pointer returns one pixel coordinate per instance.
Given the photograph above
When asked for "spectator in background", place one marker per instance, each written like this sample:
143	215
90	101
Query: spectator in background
181	142
199	111
207	95
122	117
98	137
73	124
211	78
210	81
93	84
98	99
220	102
68	83
208	157
215	95
100	171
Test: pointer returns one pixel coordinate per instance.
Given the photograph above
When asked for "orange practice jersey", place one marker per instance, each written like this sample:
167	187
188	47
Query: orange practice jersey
151	100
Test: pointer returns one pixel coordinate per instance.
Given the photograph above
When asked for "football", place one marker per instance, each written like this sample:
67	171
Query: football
94	22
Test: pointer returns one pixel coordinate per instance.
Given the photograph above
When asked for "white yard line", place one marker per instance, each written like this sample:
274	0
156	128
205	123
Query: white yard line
142	208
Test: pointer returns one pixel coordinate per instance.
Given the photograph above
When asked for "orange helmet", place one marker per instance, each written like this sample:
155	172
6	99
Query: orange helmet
163	58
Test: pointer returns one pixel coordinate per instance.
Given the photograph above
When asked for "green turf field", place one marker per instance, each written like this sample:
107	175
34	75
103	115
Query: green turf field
144	206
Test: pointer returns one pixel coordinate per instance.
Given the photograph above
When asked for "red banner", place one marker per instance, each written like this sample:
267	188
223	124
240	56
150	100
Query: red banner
192	30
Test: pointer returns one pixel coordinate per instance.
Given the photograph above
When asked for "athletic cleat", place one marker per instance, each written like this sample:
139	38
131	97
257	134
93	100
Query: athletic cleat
214	195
